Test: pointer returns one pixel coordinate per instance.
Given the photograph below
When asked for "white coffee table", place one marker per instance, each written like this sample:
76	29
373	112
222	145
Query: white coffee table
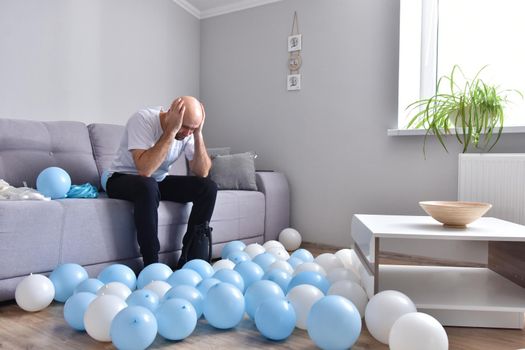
456	296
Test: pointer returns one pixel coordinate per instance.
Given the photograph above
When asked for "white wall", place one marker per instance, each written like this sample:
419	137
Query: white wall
330	137
94	60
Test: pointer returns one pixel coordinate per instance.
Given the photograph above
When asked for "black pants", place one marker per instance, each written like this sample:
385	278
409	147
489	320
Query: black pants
146	193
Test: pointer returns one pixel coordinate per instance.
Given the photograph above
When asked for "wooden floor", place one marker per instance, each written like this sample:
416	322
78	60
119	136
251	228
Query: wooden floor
48	330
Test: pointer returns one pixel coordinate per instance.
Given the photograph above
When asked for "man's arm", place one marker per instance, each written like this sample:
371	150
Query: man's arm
147	161
201	163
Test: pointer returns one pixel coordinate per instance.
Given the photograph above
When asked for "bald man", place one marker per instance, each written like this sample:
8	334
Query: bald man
153	140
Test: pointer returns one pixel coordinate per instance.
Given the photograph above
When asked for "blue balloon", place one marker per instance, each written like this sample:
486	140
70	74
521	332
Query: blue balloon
91	285
153	272
184	276
66	278
259	292
294	261
206	284
133	328
250	272
176	318
231	247
303	254
275	319
145	298
76	307
188	293
230	276
223	306
334	323
201	266
104	179
312	278
264	260
280	277
53	182
118	273
238	257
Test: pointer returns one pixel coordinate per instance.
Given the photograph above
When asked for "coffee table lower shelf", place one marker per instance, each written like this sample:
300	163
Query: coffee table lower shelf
459	296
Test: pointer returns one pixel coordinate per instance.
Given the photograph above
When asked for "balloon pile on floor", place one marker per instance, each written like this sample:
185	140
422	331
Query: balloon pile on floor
328	296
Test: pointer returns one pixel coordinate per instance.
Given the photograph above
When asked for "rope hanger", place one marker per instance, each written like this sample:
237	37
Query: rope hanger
295	61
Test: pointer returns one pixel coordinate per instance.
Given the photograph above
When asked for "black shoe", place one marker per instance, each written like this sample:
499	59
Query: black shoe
197	244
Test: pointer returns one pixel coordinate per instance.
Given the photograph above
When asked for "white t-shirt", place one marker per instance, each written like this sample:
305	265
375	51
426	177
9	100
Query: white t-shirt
142	131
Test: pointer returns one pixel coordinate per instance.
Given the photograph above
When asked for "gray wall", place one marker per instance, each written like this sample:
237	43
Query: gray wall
94	60
330	137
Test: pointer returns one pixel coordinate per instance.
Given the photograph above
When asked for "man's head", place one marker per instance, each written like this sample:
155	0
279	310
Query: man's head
192	116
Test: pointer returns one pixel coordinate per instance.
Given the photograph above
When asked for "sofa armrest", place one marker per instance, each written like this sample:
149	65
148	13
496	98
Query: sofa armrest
277	202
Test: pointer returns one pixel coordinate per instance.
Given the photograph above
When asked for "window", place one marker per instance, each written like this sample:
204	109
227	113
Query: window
437	34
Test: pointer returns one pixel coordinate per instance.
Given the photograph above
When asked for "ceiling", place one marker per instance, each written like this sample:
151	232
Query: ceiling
210	8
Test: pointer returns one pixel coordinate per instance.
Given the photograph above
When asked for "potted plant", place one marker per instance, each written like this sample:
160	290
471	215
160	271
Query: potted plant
472	110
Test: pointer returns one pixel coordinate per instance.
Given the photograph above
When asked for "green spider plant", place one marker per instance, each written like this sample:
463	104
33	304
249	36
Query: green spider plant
473	111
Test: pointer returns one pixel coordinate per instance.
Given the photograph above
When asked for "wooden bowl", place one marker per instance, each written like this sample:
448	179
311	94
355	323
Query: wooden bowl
455	213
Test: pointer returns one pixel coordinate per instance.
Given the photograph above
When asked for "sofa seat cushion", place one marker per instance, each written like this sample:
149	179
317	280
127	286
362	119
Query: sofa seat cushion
30	236
238	215
102	230
97	230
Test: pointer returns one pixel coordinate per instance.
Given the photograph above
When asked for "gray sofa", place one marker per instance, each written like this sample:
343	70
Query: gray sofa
36	236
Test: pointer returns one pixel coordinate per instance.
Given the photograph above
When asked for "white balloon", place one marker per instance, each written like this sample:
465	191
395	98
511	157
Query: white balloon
355	259
328	261
309	266
223	264
302	297
412	330
272	244
383	310
34	293
290	238
351	291
345	256
115	288
283	265
158	287
341	273
362	271
279	253
99	315
254	249
367	282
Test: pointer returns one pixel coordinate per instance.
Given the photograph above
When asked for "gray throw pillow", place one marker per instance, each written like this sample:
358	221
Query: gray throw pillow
218	151
234	171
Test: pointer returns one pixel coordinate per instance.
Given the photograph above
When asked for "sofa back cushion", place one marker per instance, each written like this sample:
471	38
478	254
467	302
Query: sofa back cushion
28	147
105	139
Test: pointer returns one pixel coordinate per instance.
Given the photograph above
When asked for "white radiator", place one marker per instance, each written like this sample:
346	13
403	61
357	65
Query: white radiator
498	179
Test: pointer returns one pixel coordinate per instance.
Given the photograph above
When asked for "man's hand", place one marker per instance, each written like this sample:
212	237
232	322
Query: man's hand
199	129
175	116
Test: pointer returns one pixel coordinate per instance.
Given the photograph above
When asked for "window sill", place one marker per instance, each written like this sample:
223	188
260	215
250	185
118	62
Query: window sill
422	132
